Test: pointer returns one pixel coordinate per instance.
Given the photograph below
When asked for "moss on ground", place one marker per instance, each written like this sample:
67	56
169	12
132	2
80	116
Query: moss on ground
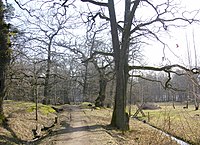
44	109
21	120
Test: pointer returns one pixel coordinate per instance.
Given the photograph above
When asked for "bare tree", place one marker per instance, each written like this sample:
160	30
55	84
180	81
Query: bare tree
45	23
193	89
124	32
163	17
103	65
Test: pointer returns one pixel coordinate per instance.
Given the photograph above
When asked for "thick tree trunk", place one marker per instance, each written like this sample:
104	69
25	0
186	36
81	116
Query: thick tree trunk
121	52
66	97
4	57
99	102
120	117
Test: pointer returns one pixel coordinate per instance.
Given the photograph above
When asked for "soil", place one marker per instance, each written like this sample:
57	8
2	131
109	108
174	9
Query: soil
78	126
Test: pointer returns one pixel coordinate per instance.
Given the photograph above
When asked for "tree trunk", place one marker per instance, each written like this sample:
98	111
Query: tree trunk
4	57
196	103
66	97
130	95
120	118
99	102
46	83
47	77
85	83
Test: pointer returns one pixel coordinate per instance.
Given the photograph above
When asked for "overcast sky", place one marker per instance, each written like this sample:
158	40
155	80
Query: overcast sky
177	50
180	42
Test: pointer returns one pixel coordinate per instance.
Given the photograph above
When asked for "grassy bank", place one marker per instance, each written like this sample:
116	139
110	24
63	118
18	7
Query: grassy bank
21	121
182	123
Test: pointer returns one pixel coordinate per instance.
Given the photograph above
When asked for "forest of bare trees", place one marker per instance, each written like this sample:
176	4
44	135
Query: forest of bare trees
75	51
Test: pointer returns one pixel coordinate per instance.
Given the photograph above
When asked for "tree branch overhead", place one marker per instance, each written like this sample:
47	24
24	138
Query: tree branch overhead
96	3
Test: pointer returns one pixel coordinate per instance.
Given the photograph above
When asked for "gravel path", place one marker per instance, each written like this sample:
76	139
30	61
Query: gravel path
81	131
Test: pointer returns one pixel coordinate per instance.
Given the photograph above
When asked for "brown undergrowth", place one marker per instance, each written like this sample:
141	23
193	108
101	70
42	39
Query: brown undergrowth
21	122
179	122
139	134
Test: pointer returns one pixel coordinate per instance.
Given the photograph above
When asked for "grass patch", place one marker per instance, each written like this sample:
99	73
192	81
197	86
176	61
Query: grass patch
31	107
21	119
44	109
182	123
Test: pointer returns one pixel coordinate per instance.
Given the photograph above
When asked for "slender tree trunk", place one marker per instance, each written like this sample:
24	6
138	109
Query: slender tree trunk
46	83
196	103
130	95
187	96
85	97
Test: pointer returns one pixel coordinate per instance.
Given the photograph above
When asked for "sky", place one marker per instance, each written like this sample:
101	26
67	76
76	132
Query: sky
176	50
180	41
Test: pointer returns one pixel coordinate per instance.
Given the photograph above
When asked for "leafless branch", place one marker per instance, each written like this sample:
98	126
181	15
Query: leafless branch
164	86
96	53
75	51
96	3
167	68
25	9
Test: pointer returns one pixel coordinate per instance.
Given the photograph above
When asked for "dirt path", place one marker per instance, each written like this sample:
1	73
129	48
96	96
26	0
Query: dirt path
81	131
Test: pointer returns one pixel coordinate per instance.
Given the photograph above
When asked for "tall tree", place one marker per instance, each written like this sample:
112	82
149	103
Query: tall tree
4	55
123	32
135	26
120	53
45	23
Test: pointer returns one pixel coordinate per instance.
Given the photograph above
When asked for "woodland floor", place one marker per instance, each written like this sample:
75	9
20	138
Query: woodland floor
77	125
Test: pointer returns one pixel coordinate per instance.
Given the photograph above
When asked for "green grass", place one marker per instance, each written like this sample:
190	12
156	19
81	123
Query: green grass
44	109
182	123
31	106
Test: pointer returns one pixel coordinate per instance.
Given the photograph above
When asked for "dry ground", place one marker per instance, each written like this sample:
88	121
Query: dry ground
76	126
